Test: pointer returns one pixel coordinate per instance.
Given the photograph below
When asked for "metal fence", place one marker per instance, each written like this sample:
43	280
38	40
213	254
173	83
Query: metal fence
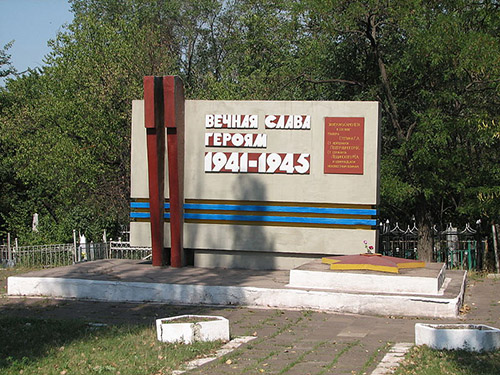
66	254
123	250
92	251
462	249
40	255
457	248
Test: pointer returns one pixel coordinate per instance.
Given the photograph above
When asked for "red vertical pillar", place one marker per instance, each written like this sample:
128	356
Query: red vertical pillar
173	96
155	136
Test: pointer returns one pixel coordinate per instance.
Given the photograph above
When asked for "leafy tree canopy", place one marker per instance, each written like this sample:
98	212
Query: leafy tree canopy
433	65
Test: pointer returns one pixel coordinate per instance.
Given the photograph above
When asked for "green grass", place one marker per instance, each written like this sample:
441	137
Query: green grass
299	359
473	275
421	360
36	346
335	360
374	357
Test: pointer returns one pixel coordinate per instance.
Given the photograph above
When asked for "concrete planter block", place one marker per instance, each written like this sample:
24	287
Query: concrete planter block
471	337
192	328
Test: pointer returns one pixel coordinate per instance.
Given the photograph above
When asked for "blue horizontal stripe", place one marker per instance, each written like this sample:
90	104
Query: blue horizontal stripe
145	205
252	208
263	209
256	208
139	215
275	219
146	215
281	219
139	205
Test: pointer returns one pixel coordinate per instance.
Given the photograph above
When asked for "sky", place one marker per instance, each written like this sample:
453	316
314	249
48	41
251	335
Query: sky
31	24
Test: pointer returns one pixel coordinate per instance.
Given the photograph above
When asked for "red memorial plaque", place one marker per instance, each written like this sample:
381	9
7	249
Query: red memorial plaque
344	145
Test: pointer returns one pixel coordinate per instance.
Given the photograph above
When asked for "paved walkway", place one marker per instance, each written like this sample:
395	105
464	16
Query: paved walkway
287	342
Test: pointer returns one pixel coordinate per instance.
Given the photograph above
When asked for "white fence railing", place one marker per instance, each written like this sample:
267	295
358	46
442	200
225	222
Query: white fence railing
39	255
123	250
66	254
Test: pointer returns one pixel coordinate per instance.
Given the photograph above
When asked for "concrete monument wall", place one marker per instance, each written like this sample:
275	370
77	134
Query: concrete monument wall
269	184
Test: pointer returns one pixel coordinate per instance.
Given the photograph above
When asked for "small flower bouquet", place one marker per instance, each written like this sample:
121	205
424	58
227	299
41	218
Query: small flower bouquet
369	249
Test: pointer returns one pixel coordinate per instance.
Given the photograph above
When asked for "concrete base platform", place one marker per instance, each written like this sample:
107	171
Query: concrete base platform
430	280
137	281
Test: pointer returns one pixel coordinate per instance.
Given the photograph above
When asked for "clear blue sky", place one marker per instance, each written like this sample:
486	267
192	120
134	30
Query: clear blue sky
31	24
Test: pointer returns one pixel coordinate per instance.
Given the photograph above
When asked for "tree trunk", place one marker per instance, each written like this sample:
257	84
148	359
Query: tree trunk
494	230
486	257
425	242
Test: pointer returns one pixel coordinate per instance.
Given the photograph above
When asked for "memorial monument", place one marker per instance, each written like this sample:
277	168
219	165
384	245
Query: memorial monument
257	185
252	184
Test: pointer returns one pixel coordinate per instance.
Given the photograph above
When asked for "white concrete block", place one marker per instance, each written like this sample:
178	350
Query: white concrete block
199	328
472	337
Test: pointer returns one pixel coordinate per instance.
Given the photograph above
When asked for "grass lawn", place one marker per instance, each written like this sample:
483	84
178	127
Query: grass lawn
422	360
66	347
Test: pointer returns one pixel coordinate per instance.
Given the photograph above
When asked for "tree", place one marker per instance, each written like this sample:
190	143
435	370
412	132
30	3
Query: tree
6	67
434	67
67	126
7	188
